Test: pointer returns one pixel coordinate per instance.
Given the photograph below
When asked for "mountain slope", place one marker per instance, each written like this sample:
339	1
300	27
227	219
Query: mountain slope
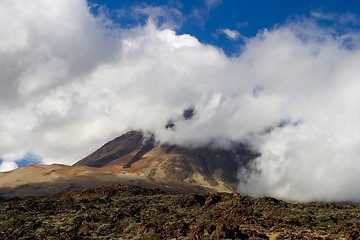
207	166
40	180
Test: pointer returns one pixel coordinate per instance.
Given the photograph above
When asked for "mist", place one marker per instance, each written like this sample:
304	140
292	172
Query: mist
69	86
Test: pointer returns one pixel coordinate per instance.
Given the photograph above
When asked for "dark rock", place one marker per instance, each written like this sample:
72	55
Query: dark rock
231	232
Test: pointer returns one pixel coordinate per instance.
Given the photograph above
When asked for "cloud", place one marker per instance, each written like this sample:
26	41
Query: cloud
212	3
164	16
343	19
317	159
307	163
7	166
69	86
231	34
201	14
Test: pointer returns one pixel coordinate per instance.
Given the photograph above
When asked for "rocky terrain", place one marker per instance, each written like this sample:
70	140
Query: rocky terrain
130	212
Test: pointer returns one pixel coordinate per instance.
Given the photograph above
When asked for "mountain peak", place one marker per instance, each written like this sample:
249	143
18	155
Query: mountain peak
206	166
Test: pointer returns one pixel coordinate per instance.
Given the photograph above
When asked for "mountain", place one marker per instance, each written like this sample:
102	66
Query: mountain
133	187
208	166
134	159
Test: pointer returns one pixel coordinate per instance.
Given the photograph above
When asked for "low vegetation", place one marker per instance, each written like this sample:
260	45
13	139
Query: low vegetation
130	212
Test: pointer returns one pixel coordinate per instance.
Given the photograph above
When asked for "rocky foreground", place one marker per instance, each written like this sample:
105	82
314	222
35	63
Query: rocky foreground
130	212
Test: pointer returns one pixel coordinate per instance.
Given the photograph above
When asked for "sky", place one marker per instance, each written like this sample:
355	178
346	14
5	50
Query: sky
280	75
228	23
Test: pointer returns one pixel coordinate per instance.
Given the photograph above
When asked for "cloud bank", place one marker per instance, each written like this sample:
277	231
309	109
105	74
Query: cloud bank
72	81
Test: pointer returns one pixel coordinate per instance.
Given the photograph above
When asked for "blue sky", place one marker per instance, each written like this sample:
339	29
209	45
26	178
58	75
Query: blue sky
28	158
206	18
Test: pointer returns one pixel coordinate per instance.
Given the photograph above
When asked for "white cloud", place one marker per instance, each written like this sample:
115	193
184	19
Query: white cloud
163	16
343	19
7	166
212	3
69	86
201	15
231	34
